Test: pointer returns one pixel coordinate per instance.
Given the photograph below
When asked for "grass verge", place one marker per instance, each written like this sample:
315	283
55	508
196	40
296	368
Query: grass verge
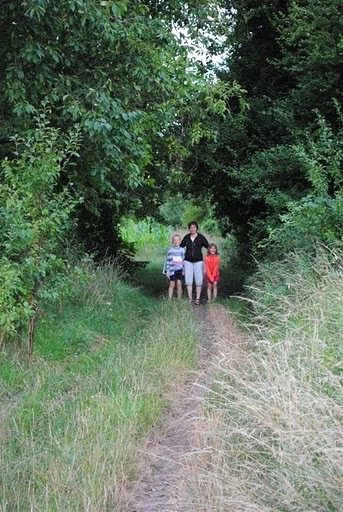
74	419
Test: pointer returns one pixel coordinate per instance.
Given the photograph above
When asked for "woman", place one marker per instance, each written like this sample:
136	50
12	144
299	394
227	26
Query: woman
193	263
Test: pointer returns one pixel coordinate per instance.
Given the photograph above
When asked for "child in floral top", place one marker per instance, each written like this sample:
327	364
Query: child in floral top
212	264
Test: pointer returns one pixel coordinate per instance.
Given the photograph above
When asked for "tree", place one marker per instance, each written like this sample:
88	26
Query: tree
287	57
115	69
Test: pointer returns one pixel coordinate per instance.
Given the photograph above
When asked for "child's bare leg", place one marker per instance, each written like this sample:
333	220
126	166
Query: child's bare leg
171	289
215	290
179	288
209	291
189	291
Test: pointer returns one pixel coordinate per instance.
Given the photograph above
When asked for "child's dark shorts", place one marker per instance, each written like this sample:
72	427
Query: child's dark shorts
177	276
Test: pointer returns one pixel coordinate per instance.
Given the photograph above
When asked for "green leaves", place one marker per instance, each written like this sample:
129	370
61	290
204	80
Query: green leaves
35	215
116	69
278	131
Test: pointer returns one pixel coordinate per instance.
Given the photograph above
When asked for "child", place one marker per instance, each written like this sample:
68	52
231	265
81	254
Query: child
173	267
212	263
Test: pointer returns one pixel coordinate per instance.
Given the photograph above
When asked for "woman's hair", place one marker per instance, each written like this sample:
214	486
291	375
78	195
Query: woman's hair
210	246
193	223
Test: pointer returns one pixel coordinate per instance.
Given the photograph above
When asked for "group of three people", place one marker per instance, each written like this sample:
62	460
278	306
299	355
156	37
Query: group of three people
185	263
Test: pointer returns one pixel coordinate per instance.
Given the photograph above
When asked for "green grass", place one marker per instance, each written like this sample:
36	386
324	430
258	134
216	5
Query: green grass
144	233
99	380
151	280
239	307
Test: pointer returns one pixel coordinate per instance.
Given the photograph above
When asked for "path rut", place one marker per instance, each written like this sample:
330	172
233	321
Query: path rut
165	456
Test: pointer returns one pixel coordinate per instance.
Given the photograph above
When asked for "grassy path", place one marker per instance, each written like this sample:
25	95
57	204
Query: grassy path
169	451
258	426
73	420
164	457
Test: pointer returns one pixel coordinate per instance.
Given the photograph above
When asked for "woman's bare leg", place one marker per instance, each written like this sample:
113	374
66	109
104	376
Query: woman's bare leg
198	292
189	291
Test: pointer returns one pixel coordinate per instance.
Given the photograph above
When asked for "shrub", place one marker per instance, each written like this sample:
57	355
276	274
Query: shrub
144	233
35	218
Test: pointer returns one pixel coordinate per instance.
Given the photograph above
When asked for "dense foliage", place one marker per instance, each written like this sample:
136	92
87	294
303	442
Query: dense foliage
116	69
35	216
283	155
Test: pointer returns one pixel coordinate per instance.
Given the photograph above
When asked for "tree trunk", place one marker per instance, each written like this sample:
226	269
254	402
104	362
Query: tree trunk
32	322
32	327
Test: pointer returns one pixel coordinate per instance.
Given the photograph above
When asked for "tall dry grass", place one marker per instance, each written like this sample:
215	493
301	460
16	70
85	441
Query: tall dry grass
271	437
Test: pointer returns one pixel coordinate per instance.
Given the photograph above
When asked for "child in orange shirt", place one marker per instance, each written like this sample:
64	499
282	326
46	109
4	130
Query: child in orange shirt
212	263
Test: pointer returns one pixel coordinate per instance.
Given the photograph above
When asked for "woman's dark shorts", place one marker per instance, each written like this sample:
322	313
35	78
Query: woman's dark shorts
177	276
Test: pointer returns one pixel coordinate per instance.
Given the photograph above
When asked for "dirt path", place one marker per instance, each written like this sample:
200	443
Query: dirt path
165	457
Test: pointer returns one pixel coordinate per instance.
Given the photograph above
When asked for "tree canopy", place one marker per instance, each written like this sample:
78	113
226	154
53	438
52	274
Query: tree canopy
287	56
115	69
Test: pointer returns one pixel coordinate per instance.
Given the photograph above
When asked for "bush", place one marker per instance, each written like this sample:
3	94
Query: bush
309	221
317	217
35	220
144	233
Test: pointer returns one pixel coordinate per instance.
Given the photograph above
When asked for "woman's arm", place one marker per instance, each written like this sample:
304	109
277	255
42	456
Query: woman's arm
204	242
184	241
